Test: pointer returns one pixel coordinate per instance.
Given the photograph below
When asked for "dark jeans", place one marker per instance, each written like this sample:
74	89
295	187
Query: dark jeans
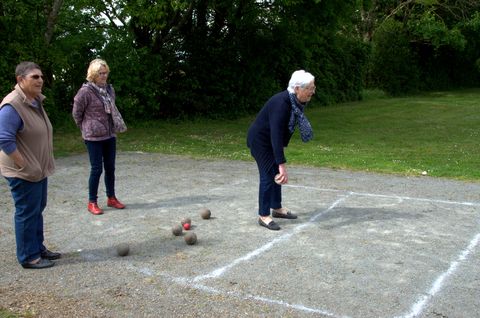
30	200
101	153
269	193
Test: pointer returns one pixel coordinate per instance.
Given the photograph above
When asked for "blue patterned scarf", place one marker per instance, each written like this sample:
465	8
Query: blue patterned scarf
297	117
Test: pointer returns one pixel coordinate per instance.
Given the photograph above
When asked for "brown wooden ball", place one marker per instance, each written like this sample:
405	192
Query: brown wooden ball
123	249
177	230
186	220
190	238
205	213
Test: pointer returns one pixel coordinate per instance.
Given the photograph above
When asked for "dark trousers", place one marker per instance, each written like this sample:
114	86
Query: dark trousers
101	153
30	200
269	193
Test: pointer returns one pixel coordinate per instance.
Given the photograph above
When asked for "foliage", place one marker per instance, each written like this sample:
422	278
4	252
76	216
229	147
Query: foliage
435	43
394	62
174	59
217	58
223	58
63	58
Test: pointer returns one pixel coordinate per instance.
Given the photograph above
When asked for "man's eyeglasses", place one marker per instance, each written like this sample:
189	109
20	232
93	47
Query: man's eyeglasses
36	76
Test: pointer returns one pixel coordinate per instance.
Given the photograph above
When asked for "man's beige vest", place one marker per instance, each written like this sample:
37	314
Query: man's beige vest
34	141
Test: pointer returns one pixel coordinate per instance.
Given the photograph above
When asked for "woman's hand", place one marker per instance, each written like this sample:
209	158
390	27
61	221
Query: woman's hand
282	177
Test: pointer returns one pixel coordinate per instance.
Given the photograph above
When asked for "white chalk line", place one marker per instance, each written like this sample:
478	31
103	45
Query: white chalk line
266	300
417	308
398	197
194	282
222	270
189	283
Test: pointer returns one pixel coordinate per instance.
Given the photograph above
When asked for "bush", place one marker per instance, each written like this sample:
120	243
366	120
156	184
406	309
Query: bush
394	65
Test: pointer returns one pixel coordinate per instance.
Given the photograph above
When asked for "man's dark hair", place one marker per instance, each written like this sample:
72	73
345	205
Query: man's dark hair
25	67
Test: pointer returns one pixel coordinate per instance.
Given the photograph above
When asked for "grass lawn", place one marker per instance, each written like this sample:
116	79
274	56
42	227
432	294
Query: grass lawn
5	313
434	132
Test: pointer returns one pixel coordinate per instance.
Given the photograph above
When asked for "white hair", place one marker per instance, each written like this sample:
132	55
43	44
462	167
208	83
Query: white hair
301	79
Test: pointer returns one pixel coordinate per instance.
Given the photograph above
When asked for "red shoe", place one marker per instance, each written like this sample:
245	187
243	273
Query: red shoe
114	203
94	209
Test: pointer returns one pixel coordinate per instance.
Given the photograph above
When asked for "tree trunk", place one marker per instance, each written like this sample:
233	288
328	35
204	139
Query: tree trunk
51	20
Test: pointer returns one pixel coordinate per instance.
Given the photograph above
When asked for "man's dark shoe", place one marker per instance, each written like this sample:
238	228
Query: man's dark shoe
42	263
50	255
271	226
289	215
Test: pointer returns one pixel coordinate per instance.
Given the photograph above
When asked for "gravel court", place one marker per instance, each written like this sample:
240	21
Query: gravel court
349	267
365	245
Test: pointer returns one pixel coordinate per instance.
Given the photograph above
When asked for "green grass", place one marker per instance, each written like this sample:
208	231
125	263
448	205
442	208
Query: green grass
435	132
5	313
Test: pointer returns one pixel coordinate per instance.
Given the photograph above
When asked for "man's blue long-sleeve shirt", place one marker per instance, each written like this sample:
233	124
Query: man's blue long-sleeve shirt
10	124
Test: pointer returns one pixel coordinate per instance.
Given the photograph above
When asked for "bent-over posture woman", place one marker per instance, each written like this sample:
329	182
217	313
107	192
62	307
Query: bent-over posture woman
269	134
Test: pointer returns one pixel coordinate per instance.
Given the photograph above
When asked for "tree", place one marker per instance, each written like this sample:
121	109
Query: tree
52	34
208	53
434	50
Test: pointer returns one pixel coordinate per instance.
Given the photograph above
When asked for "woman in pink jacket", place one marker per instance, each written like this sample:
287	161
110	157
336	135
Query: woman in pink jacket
98	118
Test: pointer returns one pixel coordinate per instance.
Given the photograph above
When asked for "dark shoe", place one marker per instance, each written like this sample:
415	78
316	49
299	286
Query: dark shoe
114	203
42	263
288	215
271	226
94	209
50	255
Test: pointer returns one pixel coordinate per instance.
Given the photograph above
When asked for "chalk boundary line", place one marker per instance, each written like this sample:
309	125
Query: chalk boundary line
416	309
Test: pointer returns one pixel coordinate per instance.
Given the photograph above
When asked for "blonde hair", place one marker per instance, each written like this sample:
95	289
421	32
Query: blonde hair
301	79
94	68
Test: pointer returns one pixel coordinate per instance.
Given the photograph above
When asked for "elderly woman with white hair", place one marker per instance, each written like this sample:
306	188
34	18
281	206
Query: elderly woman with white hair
269	134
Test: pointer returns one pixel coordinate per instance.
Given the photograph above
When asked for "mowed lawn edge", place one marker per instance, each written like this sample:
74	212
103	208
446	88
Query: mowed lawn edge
435	133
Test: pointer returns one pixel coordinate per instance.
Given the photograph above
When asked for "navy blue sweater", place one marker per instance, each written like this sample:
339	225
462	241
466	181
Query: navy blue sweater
269	132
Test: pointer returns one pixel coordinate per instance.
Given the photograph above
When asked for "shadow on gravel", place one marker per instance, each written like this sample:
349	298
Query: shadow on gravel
173	202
